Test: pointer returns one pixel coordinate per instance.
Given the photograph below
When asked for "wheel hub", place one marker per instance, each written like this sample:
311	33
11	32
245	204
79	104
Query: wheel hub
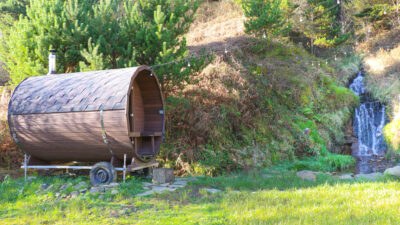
101	175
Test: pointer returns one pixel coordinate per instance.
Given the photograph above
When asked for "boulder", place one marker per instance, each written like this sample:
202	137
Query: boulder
307	175
163	175
114	192
394	171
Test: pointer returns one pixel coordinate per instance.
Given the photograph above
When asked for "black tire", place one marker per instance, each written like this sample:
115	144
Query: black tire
102	173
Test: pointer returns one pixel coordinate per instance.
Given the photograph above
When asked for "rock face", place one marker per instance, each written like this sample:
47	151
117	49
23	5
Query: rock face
307	175
163	175
395	171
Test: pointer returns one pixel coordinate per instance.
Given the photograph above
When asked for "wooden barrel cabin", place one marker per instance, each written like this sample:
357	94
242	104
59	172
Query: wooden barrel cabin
89	116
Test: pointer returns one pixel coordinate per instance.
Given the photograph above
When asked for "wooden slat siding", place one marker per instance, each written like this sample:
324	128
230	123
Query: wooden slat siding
137	108
77	117
62	139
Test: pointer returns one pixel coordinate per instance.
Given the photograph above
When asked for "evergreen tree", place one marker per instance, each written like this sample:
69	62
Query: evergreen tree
101	34
265	18
322	24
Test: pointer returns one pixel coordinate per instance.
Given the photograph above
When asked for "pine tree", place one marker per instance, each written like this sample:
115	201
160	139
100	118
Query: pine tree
322	26
265	18
102	34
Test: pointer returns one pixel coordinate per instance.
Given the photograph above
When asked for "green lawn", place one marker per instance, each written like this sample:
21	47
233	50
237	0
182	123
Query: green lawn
246	199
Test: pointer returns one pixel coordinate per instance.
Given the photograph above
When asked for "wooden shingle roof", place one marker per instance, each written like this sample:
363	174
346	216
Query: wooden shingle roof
73	92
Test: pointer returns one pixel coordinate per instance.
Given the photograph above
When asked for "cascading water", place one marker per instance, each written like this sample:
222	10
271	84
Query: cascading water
369	120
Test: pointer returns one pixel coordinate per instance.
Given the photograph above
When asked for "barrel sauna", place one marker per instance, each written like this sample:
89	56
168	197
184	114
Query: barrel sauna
89	116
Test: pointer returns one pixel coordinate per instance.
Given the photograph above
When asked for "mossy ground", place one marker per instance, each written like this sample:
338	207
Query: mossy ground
256	197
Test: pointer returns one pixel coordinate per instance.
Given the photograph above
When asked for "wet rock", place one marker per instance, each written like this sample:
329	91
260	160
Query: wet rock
74	194
369	176
307	175
348	176
394	171
212	190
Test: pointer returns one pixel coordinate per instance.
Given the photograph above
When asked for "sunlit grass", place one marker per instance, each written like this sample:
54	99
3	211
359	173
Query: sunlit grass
246	198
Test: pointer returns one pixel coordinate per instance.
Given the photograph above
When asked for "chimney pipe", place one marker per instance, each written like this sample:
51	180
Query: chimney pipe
52	62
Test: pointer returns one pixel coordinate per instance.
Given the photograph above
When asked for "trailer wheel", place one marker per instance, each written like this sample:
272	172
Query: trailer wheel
102	173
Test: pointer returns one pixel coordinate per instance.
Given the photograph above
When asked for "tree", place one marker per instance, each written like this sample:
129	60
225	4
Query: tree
322	24
102	34
265	17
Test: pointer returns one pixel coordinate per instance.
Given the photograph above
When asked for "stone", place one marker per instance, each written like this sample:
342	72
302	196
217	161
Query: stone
146	188
164	185
94	190
163	175
80	185
347	176
31	178
114	192
145	193
114	185
74	194
160	189
307	175
394	171
147	184
369	176
44	186
183	183
83	190
101	197
50	187
176	186
57	194
212	190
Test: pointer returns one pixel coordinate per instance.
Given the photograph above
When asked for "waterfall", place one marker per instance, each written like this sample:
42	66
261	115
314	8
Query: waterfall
369	120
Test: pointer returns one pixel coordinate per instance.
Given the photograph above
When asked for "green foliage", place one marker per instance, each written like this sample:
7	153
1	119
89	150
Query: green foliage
265	17
329	162
102	34
322	25
13	8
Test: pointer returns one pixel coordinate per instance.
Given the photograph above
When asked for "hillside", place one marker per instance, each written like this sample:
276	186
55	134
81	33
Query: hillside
252	104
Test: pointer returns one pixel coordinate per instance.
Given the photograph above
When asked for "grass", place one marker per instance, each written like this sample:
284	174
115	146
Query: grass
266	197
